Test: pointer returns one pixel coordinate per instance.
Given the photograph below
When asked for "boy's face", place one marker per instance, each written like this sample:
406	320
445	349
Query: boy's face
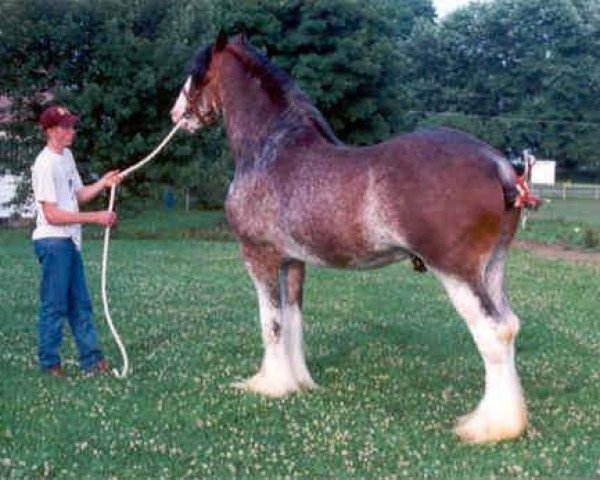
61	135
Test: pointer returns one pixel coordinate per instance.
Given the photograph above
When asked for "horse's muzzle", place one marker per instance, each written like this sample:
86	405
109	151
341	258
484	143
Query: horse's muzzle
188	122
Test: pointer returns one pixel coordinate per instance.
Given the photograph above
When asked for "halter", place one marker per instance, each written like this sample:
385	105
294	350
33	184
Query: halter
192	107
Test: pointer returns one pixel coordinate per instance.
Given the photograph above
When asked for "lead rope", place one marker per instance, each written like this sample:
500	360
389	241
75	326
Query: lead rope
111	204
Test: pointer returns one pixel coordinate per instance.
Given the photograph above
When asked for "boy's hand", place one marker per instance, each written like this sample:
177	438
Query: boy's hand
111	178
106	218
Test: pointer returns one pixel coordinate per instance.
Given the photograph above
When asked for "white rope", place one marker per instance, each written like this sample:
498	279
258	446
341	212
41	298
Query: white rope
153	154
113	330
111	205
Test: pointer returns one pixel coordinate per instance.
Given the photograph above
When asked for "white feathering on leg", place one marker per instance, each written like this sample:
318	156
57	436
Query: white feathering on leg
293	318
275	377
501	413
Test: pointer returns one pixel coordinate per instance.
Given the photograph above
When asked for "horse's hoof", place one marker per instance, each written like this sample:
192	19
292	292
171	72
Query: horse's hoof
481	427
259	383
463	420
309	385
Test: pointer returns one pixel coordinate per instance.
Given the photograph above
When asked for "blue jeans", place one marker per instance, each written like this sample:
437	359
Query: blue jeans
64	293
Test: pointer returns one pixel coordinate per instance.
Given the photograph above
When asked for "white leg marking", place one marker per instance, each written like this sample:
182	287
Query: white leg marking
292	316
275	377
501	413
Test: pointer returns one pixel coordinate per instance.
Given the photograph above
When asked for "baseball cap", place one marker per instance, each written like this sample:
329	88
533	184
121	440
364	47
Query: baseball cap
57	116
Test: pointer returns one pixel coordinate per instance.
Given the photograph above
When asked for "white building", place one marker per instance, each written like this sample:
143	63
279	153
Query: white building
8	188
543	172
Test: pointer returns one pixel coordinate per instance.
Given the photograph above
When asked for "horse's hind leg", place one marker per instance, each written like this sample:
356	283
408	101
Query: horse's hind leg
501	413
292	281
494	278
275	377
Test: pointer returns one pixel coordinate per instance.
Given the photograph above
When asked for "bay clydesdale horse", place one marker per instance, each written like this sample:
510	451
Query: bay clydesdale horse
439	197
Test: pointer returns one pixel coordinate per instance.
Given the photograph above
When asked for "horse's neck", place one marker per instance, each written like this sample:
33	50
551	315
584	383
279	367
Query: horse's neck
248	111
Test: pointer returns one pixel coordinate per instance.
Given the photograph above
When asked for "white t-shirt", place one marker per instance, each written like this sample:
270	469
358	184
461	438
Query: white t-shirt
55	179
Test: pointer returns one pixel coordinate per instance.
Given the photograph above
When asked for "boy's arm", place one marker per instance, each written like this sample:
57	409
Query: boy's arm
91	191
57	216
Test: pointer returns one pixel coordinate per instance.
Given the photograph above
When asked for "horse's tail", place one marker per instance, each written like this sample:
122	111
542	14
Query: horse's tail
516	191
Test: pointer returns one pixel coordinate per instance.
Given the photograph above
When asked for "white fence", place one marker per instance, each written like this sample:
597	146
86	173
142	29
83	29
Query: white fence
566	190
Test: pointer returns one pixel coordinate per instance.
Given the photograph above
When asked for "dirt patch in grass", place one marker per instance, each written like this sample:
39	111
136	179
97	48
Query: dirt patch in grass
559	252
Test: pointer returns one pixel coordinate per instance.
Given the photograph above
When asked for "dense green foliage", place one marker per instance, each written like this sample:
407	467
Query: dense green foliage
395	363
118	65
344	53
517	73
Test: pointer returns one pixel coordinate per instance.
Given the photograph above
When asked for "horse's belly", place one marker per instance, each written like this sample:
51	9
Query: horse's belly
334	256
381	259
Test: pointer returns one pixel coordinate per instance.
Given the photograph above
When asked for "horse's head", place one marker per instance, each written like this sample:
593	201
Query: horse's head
199	102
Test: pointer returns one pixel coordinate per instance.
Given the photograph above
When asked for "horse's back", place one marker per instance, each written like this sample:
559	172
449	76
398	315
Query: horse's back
435	149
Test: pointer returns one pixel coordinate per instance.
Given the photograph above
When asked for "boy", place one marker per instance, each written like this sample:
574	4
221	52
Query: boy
58	191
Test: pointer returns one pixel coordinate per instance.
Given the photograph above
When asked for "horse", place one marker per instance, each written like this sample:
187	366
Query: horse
439	197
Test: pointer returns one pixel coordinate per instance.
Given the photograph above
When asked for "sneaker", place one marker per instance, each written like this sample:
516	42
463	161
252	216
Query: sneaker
100	368
55	371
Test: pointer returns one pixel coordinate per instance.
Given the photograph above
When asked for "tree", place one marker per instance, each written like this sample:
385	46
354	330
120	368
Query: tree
118	65
343	53
528	67
517	73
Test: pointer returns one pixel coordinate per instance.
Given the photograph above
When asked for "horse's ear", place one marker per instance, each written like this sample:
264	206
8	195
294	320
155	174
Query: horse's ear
221	42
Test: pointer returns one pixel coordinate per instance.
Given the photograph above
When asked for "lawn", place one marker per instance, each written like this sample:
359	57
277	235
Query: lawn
573	223
395	363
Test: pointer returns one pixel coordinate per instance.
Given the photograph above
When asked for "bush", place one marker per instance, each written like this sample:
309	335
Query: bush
591	237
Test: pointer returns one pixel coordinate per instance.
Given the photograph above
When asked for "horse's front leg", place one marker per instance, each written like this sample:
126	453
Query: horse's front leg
291	277
276	376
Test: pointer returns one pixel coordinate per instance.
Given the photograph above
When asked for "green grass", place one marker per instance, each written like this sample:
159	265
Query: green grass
160	223
573	223
395	362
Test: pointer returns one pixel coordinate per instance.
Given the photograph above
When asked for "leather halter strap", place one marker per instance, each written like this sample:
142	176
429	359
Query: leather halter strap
192	106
